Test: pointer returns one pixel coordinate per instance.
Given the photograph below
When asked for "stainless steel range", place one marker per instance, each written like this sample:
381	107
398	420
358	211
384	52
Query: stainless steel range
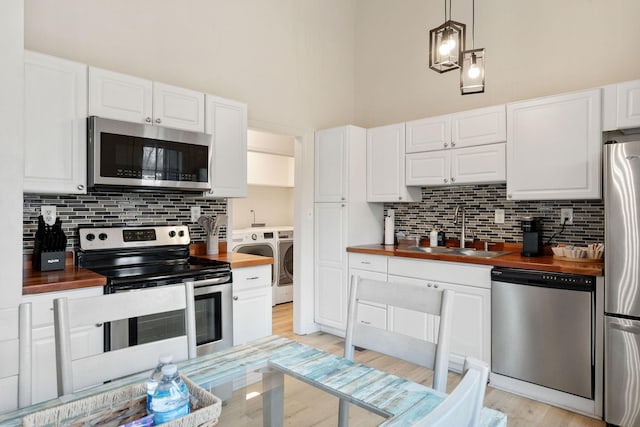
139	257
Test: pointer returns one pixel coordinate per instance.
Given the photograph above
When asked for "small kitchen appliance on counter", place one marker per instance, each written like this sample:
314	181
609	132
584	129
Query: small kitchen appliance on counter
531	236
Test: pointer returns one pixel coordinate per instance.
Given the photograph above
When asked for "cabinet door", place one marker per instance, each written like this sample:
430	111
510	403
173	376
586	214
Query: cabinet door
431	168
479	165
330	272
409	322
85	341
385	166
119	96
55	159
178	108
429	134
251	315
471	330
555	147
331	165
227	122
628	104
477	127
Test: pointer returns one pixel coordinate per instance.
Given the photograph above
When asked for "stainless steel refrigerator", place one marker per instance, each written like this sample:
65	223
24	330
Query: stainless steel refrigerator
622	283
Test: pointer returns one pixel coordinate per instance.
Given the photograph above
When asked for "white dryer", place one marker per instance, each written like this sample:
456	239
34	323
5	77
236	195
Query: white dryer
283	289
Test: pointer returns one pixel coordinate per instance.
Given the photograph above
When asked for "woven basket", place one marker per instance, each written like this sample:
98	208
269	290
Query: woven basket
123	405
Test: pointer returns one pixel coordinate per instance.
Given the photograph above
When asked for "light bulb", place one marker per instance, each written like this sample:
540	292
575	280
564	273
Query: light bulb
474	71
444	49
452	43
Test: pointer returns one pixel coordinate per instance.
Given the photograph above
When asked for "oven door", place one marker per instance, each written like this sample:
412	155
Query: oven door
214	325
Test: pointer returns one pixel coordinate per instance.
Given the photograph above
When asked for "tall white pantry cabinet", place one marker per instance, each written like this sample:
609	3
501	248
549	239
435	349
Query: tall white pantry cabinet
342	218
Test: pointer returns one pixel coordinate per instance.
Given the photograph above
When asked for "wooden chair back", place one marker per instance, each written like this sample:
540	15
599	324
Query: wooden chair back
463	406
76	373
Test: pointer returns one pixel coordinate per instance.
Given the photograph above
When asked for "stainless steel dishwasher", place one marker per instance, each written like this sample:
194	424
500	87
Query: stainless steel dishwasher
542	328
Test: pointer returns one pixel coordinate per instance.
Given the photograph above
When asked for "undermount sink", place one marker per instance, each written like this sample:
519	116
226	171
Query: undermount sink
458	251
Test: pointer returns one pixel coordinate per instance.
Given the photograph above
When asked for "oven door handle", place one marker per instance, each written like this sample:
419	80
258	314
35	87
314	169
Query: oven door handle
214	281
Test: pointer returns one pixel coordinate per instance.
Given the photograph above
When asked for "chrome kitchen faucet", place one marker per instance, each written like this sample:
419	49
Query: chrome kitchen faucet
459	209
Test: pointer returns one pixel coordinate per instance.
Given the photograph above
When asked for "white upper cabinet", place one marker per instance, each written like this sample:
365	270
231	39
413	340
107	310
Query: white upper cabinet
386	166
464	129
179	108
55	159
622	105
429	134
331	164
227	122
471	165
554	147
122	97
477	127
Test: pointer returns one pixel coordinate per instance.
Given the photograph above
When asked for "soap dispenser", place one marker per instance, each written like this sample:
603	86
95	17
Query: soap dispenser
433	237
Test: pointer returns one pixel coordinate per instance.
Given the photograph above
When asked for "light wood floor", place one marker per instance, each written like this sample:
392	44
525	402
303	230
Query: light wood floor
520	411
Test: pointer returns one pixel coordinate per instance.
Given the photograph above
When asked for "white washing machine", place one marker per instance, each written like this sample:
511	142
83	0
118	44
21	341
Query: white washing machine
283	289
257	241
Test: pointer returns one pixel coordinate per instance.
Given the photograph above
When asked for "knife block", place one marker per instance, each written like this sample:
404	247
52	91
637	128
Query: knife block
48	261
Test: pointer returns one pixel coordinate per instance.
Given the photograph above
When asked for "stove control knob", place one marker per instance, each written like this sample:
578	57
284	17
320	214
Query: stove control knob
181	233
172	233
254	236
102	236
91	237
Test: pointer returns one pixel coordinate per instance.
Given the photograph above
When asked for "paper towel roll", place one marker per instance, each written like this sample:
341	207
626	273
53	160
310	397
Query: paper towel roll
388	231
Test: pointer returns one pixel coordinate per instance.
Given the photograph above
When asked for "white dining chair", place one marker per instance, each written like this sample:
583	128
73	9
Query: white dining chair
24	349
463	406
431	355
80	372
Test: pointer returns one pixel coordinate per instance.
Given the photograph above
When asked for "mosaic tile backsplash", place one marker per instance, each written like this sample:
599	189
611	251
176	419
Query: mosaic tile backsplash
113	208
480	202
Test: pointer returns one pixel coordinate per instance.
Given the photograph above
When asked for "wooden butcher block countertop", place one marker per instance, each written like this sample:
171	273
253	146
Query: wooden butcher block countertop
512	260
35	282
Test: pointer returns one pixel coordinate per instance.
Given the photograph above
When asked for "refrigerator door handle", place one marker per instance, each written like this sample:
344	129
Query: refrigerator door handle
626	328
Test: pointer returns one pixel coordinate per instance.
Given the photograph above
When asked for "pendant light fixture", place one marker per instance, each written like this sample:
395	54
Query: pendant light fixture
472	62
446	42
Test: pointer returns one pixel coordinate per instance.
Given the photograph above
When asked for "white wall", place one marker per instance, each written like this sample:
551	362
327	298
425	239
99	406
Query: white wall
272	205
533	48
291	61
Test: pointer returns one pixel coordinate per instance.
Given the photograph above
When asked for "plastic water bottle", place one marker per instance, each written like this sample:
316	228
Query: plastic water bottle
156	377
171	398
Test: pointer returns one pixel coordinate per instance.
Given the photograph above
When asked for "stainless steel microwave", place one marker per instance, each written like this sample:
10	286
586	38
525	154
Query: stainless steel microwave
146	157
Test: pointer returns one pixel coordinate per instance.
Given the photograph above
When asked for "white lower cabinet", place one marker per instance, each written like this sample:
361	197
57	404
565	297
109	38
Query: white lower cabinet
471	331
84	341
251	303
369	267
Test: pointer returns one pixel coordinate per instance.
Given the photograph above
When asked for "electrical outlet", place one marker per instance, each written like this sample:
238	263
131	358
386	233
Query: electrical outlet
499	216
48	214
195	213
566	213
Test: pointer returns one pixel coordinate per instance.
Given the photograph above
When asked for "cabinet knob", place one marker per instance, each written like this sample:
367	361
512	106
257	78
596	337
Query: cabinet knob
158	120
445	180
453	144
453	179
342	198
365	322
98	325
343	205
253	278
235	298
509	196
436	286
446	145
428	285
147	119
400	198
80	187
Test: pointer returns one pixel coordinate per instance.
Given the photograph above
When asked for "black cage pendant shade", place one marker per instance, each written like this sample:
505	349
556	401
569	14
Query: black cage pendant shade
445	44
472	63
472	73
